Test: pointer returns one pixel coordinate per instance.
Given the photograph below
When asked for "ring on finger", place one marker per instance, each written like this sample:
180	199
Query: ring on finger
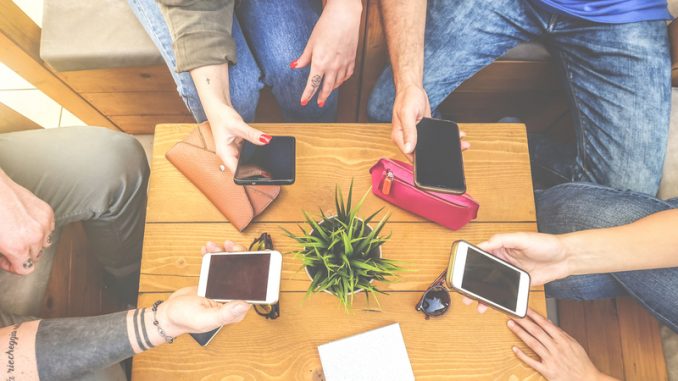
28	263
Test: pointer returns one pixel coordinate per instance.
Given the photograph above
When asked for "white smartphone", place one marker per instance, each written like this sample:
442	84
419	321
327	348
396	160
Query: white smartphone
482	276
253	277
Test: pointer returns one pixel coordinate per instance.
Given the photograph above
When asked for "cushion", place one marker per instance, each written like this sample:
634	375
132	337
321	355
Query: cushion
94	34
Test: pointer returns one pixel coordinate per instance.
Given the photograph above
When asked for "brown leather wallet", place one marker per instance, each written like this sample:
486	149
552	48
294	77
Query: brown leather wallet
196	158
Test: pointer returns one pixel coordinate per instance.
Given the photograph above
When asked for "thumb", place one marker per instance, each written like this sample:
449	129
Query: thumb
304	59
409	125
233	312
252	135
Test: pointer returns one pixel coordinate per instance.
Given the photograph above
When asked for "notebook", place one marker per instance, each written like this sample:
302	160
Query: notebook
375	355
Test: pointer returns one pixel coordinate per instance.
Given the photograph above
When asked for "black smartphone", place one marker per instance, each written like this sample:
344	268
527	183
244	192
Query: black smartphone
205	338
272	164
438	164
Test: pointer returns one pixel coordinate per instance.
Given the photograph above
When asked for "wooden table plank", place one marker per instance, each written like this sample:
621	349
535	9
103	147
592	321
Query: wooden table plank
442	348
497	172
172	251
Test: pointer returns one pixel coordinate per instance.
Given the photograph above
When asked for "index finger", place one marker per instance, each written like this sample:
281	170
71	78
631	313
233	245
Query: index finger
544	323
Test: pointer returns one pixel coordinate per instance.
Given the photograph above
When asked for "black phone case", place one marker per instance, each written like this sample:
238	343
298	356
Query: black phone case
204	338
291	181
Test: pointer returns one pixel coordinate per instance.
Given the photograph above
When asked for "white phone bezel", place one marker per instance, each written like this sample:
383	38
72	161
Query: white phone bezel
458	279
274	275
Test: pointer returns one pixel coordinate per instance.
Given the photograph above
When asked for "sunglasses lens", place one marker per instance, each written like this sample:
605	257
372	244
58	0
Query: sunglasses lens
435	302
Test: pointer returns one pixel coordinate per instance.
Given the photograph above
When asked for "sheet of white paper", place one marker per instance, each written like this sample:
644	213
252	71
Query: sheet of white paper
375	355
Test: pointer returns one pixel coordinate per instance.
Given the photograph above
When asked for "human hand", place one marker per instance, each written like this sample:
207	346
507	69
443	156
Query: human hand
230	131
543	256
560	356
25	227
331	49
186	312
409	108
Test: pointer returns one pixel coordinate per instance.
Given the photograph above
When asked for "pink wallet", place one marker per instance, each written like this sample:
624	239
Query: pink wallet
393	181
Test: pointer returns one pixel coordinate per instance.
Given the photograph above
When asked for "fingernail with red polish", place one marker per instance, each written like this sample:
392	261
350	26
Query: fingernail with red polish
321	104
265	138
293	65
304	102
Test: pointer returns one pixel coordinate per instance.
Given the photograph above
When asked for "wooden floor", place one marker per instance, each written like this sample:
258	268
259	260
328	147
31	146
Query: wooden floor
620	336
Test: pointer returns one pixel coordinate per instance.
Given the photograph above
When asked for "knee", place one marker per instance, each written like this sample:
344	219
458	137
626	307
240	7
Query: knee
584	287
122	166
578	206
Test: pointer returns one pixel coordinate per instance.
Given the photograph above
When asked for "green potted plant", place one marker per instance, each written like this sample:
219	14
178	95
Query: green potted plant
342	253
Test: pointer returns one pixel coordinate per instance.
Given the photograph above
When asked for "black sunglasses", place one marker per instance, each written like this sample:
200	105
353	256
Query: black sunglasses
436	299
269	311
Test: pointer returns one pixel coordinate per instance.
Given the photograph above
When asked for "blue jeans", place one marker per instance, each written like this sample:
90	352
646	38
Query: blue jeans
571	207
617	76
268	36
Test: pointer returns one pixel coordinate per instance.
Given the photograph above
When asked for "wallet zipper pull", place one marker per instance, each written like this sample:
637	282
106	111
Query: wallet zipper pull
388	181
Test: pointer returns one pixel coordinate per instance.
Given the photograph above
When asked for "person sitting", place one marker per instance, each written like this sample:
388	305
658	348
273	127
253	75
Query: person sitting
73	348
615	57
597	242
50	178
271	41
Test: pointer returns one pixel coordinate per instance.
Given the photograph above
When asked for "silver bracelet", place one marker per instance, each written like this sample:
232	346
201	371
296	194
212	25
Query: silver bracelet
169	339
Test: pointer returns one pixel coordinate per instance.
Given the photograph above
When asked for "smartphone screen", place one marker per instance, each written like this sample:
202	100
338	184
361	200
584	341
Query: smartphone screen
238	277
272	164
437	156
491	279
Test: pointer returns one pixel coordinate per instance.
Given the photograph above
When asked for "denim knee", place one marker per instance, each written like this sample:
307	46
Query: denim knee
584	287
578	206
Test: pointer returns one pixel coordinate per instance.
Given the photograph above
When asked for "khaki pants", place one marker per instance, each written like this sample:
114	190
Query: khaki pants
87	174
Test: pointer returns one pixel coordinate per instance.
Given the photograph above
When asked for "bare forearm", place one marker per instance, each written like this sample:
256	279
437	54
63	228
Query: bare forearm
64	349
648	243
213	86
404	23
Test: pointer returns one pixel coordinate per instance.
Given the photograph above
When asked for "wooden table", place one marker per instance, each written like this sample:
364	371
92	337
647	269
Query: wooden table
461	344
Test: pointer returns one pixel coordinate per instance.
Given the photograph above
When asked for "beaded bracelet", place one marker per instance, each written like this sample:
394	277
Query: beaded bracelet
169	339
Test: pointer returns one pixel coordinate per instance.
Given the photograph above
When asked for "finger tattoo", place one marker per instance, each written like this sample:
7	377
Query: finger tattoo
315	81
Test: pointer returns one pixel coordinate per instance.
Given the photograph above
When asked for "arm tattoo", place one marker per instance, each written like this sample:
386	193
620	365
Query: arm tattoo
13	343
315	81
136	331
68	348
208	81
143	329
